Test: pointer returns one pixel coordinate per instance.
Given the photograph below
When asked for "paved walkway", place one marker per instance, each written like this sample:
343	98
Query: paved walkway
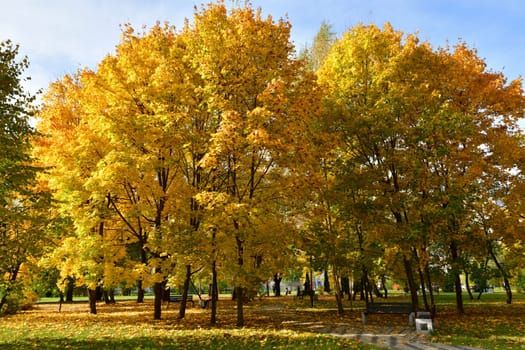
392	338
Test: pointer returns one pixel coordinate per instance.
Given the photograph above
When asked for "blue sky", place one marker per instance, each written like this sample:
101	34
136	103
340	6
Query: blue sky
60	36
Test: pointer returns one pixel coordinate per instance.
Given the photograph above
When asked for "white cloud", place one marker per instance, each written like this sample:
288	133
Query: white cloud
60	36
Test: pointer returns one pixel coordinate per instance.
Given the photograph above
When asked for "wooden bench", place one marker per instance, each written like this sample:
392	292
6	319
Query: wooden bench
390	308
179	298
302	294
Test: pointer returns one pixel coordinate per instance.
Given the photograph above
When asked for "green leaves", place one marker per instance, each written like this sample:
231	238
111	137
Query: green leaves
15	131
22	202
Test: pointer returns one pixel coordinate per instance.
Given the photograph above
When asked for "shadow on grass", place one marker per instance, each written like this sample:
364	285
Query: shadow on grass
221	341
56	344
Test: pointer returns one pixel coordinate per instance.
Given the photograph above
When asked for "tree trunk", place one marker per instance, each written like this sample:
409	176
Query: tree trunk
60	302
98	293
214	293
277	284
338	294
457	280
312	291
3	301
411	282
479	294
338	300
239	295
364	276
307	283
158	290
467	285
364	285
144	261
92	294
429	284
459	293
12	275
326	283
508	291
422	280
506	284
239	288
376	290
358	287
109	296
383	285
345	287
423	288
483	285
370	292
140	292
70	284
182	309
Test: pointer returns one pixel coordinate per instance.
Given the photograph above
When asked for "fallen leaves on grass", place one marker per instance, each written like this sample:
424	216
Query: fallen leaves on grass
270	323
128	325
491	325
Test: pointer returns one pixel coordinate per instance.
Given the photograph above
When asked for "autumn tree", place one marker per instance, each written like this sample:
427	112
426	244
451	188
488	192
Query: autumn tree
354	73
326	237
476	112
494	219
132	124
88	250
321	45
144	121
22	202
420	125
265	102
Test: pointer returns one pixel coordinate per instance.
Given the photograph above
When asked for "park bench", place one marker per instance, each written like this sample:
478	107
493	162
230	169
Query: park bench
302	294
179	298
389	308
